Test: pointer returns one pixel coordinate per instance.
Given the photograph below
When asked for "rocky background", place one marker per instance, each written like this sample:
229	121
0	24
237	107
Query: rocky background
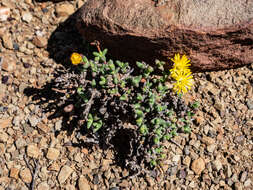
38	152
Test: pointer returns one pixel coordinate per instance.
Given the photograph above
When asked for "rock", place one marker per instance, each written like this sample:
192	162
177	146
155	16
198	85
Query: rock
54	167
4	13
250	104
64	10
32	151
238	186
176	158
14	173
53	154
243	176
20	142
83	184
27	17
9	63
198	165
40	41
3	137
214	34
207	140
64	174
33	121
4	123
43	186
7	41
187	161
211	148
26	175
217	165
247	183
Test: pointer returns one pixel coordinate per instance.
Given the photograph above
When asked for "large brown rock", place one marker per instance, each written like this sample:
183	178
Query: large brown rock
215	34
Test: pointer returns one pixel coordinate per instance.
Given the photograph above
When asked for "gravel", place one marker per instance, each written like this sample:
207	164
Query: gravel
36	41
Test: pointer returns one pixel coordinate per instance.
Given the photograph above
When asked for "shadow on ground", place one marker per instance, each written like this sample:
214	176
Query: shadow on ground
62	43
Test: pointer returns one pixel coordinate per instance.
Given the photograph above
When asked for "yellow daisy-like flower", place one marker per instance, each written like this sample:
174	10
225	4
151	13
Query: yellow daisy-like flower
184	82
76	58
180	63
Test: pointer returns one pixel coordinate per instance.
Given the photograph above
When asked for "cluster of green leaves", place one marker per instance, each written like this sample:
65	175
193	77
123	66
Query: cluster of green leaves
145	93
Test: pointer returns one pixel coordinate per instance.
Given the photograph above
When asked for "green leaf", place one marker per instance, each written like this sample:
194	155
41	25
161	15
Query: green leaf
139	121
136	106
105	52
187	129
156	140
96	54
97	125
123	97
120	64
93	83
139	113
111	66
102	81
143	130
89	121
195	105
153	163
140	65
139	97
80	90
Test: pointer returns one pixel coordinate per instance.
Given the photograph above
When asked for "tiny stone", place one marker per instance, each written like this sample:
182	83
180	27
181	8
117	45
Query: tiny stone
20	142
208	140
14	173
33	121
52	153
15	46
43	186
26	175
83	184
247	183
211	148
217	165
187	161
32	151
27	17
7	41
176	158
5	79
64	174
4	13
250	104
40	41
198	165
64	10
238	186
243	176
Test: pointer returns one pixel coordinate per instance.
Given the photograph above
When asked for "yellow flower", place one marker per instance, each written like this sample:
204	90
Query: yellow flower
180	63
184	82
76	58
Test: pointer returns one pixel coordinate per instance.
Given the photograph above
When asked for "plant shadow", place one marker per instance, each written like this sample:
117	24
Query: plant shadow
62	43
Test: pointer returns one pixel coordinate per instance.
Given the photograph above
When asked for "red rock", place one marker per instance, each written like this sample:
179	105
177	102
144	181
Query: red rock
214	34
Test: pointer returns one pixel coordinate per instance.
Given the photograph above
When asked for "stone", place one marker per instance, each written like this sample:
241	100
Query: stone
40	41
32	151
83	183
9	63
33	121
4	123
4	13
176	158
217	165
27	17
43	186
64	10
20	142
7	41
213	34
247	183
14	173
3	137
211	148
26	175
54	167
53	154
64	174
207	140
238	186
187	161
198	165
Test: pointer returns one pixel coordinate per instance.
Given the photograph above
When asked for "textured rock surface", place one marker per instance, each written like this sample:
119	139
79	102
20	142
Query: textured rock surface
215	34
